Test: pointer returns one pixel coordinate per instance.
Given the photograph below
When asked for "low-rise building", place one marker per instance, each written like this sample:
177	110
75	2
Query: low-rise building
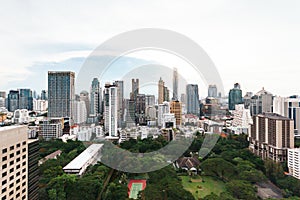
52	128
294	162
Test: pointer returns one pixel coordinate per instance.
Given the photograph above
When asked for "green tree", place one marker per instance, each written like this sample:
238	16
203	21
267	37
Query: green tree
219	167
241	190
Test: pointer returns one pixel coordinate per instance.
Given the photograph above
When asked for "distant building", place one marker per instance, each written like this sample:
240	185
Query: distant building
88	157
25	99
166	94
121	107
61	90
52	128
288	107
13	100
2	94
44	95
40	105
96	94
176	109
212	91
162	109
21	116
111	110
80	112
161	86
294	162
135	88
140	109
84	96
261	102
149	100
241	119
14	162
247	99
235	96
175	85
192	94
53	155
270	136
129	113
168	120
2	102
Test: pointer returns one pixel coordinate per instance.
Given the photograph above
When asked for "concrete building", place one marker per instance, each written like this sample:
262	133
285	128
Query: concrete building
111	110
288	107
44	95
51	128
241	119
13	100
140	109
162	109
176	109
212	91
21	116
175	85
294	162
33	170
135	88
235	96
61	90
192	94
80	112
25	99
150	100
168	120
120	91
270	136
161	90
84	96
40	105
14	162
261	102
88	157
2	102
96	98
166	94
129	113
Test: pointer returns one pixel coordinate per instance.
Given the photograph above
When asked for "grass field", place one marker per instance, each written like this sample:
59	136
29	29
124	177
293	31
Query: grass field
135	189
209	185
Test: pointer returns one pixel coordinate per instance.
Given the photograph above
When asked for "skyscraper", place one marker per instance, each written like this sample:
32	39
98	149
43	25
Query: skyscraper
111	110
95	107
150	100
13	100
61	90
161	87
212	91
25	99
175	85
120	91
261	102
44	95
176	109
166	94
135	88
192	94
235	96
84	96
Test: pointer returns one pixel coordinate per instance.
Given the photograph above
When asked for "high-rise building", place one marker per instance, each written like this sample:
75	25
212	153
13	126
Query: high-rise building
270	136
288	107
176	109
247	99
14	162
2	94
95	98
25	99
150	100
84	96
161	88
140	109
51	128
120	91
192	99
294	162
212	91
33	170
135	88
166	94
162	109
44	95
175	85
111	110
235	96
261	102
61	93
241	119
80	113
129	113
13	100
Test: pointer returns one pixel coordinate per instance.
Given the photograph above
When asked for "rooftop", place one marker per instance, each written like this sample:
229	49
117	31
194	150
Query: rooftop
273	116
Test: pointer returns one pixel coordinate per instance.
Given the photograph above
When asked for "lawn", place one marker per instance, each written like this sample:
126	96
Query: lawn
209	185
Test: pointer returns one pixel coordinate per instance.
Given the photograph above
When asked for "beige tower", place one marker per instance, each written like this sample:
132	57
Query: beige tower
161	88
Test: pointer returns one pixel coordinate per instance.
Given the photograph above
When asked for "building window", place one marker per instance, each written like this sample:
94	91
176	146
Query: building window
11	155
4	190
24	143
11	185
4	150
18	174
4	158
11	193
18	152
12	148
11	178
11	162
4	166
18	181
23	150
24	157
4	182
23	177
11	170
18	166
23	170
18	159
24	163
4	174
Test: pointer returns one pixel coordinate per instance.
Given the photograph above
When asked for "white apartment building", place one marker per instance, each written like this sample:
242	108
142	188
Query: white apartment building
80	112
241	119
14	166
294	162
162	109
111	110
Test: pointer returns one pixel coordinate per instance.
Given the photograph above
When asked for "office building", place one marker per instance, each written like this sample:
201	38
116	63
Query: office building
175	85
44	95
271	135
294	162
129	113
80	112
192	99
235	96
247	99
120	91
96	95
135	88
261	102
51	128
111	110
288	107
14	166
162	109
176	109
25	99
150	100
161	90
13	100
33	170
166	94
84	96
212	91
140	109
61	93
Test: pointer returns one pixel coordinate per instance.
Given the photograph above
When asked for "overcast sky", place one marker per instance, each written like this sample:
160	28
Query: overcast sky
253	42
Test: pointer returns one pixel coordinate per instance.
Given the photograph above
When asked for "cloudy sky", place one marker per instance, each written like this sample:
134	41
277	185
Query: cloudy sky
253	42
